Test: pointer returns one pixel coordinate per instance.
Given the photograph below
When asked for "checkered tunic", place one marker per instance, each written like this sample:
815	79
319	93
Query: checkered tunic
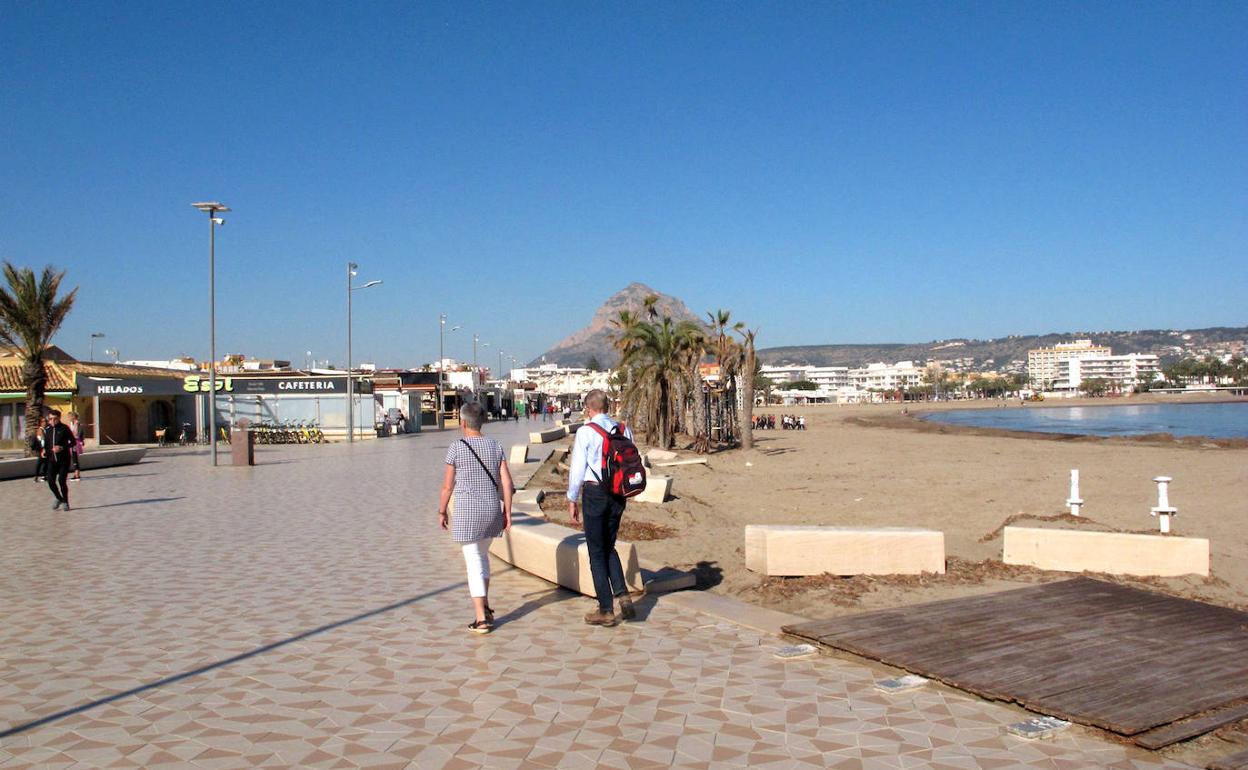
478	513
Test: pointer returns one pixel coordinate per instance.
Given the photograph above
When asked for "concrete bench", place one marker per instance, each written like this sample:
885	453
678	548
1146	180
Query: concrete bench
658	489
814	550
675	463
1115	553
528	498
546	436
519	454
24	467
558	554
660	455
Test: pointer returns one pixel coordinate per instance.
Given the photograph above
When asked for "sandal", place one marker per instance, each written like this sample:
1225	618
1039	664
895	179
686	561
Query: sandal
489	615
480	627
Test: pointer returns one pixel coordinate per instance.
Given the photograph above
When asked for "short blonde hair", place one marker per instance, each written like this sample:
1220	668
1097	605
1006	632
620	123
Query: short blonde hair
596	399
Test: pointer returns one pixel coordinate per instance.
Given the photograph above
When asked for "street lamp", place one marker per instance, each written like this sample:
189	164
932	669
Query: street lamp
351	271
442	368
212	208
500	363
94	336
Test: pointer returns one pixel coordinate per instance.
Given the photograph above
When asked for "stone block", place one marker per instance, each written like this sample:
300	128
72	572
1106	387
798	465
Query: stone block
528	497
519	454
814	550
92	460
658	489
674	463
660	455
1115	553
558	554
546	436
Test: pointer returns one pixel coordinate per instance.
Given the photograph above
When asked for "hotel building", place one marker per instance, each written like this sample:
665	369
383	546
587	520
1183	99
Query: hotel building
1043	363
1121	373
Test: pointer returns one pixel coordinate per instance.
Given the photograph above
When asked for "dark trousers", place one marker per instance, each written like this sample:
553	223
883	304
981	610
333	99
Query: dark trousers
41	467
602	513
58	479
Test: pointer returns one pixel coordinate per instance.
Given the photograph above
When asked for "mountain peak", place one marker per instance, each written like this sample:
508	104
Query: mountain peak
595	340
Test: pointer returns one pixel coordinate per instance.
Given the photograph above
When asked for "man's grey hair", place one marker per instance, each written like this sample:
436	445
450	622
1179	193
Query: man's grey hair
596	399
472	415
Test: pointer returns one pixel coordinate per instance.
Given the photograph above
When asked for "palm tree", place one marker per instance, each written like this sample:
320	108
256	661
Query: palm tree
659	358
749	365
30	315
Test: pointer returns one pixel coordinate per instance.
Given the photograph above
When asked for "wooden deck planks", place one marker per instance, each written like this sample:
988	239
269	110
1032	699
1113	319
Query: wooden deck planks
1181	731
1098	653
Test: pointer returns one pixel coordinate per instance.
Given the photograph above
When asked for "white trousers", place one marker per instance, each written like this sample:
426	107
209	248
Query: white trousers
477	559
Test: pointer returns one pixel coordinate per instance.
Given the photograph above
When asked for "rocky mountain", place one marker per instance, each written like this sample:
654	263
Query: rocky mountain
1000	353
595	340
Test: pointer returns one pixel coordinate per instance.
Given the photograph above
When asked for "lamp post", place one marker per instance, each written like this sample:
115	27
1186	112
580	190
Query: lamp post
351	271
212	208
500	363
94	336
442	368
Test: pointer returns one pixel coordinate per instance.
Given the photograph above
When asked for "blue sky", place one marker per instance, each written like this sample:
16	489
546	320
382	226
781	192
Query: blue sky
832	172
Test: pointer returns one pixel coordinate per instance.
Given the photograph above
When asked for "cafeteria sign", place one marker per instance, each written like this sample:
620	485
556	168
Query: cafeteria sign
275	386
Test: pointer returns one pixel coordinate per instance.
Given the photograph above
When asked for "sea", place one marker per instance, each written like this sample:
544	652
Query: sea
1225	420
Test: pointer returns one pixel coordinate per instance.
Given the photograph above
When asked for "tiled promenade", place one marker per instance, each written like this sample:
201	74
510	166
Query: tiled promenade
203	591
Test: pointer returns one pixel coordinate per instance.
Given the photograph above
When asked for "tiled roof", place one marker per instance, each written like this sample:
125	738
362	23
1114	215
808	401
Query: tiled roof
62	376
59	377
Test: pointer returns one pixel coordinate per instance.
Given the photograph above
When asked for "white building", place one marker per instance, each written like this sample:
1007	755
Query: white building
882	376
1043	363
829	377
785	372
1120	373
543	371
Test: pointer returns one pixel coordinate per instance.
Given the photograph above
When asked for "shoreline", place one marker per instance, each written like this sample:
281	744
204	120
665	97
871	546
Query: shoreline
919	420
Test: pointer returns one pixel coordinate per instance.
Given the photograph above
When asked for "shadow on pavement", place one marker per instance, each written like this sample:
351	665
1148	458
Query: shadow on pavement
144	501
16	729
546	598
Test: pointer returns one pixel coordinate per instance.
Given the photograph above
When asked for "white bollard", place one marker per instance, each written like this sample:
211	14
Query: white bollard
1164	510
1074	502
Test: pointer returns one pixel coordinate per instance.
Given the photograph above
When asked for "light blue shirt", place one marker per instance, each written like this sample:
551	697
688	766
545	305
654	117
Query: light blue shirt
586	462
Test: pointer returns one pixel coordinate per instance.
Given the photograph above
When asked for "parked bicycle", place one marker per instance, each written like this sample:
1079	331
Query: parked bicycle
293	432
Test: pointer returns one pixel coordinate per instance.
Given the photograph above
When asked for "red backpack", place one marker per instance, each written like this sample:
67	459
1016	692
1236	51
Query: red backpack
623	474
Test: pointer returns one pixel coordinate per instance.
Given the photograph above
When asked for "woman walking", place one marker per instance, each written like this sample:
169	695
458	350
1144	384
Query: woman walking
478	478
36	446
75	429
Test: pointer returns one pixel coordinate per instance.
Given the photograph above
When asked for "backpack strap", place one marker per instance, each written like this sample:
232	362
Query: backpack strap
606	440
487	470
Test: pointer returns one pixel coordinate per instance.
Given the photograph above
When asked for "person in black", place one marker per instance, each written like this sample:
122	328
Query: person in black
57	444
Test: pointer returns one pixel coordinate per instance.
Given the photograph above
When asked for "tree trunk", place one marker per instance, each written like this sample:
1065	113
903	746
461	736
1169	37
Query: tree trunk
747	398
702	438
36	383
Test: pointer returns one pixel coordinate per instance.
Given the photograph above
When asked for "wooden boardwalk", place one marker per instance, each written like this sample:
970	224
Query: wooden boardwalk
1092	652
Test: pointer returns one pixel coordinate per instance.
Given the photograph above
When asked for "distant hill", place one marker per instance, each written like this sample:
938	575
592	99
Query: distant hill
595	340
999	353
1003	353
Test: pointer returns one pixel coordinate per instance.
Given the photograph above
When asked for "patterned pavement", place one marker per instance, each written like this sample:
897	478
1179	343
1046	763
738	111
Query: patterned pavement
309	613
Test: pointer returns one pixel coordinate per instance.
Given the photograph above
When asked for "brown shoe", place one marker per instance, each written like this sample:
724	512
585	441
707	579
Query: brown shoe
627	610
600	618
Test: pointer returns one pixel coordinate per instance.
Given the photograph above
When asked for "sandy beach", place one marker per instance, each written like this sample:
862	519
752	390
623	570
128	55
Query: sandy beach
873	465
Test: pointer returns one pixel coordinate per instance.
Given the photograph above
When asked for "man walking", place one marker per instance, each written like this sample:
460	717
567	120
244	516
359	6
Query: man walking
602	512
57	441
